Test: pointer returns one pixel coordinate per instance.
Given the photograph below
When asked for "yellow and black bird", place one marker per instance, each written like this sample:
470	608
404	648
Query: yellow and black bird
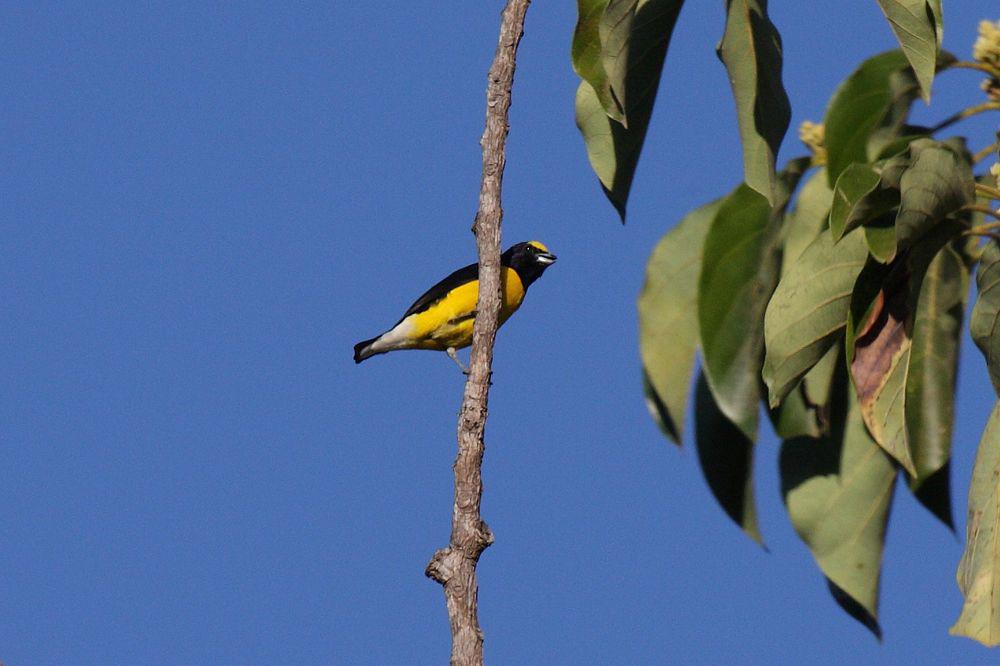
442	318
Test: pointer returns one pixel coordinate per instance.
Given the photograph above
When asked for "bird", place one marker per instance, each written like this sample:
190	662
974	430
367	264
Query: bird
441	319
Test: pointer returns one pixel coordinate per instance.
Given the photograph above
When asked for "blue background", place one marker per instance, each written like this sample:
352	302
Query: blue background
204	208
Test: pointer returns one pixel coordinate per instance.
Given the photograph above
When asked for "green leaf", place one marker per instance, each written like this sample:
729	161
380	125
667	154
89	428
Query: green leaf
931	375
891	169
795	417
934	493
817	383
807	219
866	117
726	457
740	269
613	149
668	314
880	235
586	52
979	570
984	324
890	144
931	181
890	137
857	198
738	273
809	309
936	12
937	183
838	491
860	106
916	28
751	51
658	411
616	40
864	195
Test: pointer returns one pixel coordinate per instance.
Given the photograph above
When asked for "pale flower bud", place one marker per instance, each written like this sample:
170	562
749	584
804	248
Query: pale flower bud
987	47
813	135
991	87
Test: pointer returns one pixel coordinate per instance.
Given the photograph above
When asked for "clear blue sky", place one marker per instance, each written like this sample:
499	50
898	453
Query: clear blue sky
203	209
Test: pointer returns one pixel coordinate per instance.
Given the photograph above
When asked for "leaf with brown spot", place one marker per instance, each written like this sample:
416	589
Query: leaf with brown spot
879	340
881	355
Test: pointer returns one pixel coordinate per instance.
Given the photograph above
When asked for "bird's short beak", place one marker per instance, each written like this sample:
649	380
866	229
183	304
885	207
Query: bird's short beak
545	258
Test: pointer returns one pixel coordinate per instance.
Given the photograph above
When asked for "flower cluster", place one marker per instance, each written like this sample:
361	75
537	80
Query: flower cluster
987	51
813	135
987	47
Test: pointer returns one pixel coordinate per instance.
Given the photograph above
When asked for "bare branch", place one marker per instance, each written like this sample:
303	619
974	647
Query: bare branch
455	565
965	113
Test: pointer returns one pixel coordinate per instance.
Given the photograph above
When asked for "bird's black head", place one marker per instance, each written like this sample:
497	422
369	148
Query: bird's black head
529	260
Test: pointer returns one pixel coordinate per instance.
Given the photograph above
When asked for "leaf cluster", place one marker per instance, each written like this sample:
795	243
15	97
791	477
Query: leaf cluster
619	47
842	314
831	293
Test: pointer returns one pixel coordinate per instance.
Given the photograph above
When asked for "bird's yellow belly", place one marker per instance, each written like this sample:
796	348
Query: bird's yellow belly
448	323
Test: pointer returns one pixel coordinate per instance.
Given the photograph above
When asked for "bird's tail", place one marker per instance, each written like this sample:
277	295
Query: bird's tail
363	349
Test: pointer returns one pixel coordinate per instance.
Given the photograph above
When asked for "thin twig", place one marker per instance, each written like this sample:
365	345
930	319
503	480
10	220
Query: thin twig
455	565
985	152
987	191
970	64
982	234
985	210
966	113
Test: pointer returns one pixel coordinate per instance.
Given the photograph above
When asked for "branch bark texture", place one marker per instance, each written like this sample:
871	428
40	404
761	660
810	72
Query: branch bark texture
455	565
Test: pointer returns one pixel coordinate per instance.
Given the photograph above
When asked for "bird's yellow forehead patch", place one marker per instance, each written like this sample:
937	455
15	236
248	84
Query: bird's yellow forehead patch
538	245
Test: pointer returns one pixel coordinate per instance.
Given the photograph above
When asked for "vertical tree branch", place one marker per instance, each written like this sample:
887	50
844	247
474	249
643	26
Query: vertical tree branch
455	565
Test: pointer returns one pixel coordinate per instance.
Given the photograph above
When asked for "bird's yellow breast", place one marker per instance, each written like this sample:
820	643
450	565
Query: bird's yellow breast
448	322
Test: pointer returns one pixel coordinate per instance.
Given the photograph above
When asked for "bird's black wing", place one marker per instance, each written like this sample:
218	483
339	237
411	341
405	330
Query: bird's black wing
438	291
